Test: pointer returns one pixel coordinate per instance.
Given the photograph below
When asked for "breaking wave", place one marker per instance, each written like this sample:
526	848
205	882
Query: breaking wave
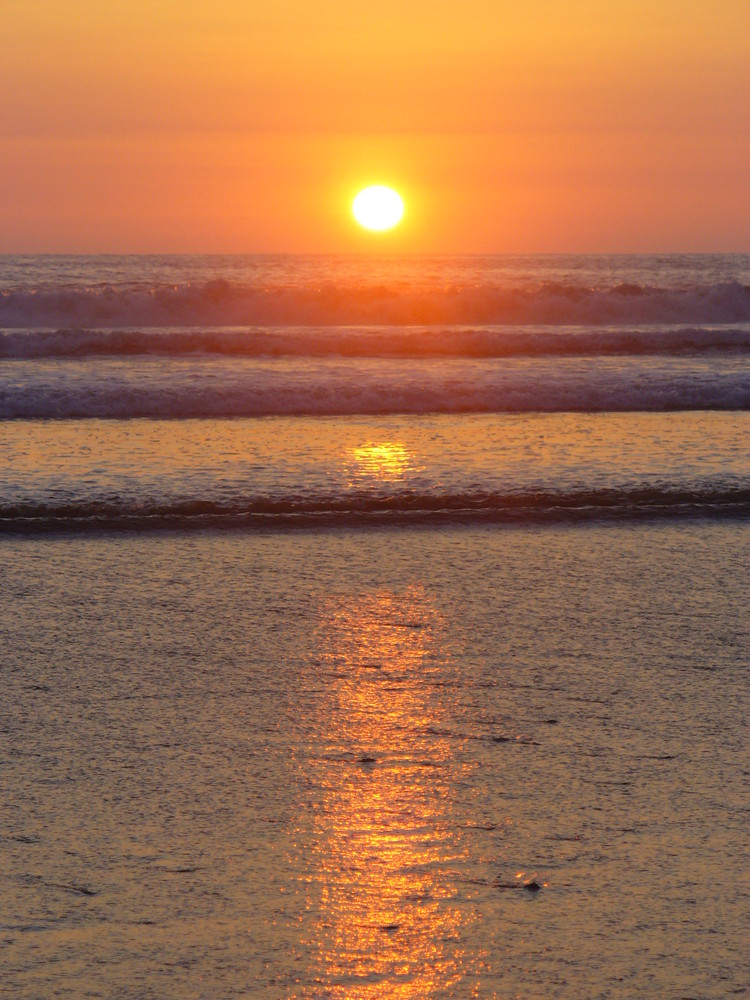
365	509
409	342
218	302
119	389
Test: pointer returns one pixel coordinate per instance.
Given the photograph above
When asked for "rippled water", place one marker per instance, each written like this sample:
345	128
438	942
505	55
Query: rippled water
335	764
374	628
92	474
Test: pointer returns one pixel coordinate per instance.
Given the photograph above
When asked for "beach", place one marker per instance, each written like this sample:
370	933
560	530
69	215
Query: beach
374	630
326	763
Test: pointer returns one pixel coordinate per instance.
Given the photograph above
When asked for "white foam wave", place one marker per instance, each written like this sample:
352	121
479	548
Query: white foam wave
379	341
115	388
221	303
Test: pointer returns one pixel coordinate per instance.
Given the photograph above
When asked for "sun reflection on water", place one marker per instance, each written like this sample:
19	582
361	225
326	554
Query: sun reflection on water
385	918
387	462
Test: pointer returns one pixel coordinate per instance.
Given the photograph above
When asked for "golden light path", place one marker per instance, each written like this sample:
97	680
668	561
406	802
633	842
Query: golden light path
378	208
386	845
387	461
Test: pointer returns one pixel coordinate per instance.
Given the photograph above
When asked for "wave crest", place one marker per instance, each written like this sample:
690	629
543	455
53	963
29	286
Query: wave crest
370	342
366	509
118	389
218	302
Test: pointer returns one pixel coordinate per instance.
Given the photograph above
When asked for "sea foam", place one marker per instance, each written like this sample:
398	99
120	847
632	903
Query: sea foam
218	302
496	341
119	388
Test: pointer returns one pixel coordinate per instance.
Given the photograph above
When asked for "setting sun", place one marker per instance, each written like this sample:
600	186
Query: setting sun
375	398
378	208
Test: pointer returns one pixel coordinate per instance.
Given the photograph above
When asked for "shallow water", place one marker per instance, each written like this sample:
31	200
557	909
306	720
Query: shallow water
519	467
325	764
476	728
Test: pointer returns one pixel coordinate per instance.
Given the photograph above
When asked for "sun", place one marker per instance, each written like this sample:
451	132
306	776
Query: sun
378	208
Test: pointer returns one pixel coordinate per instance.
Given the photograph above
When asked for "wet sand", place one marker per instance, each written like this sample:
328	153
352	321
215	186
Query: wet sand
398	764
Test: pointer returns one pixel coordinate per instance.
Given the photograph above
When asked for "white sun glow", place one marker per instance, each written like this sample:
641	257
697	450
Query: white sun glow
378	208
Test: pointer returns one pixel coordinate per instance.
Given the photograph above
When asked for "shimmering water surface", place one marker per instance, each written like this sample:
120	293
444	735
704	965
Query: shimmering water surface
326	764
374	627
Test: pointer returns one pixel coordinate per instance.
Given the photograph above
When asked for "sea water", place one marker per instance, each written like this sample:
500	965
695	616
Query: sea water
374	627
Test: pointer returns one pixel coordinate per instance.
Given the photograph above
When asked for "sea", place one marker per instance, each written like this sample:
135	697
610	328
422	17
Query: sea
375	627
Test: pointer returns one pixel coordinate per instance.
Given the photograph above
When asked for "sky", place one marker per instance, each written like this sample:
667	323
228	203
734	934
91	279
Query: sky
249	126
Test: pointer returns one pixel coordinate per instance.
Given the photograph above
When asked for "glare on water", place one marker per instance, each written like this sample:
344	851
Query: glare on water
382	841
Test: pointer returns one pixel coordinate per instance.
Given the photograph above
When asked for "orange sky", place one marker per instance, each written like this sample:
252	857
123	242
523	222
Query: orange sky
236	125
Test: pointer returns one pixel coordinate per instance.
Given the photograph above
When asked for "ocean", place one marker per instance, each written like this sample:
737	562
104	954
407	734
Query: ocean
374	627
